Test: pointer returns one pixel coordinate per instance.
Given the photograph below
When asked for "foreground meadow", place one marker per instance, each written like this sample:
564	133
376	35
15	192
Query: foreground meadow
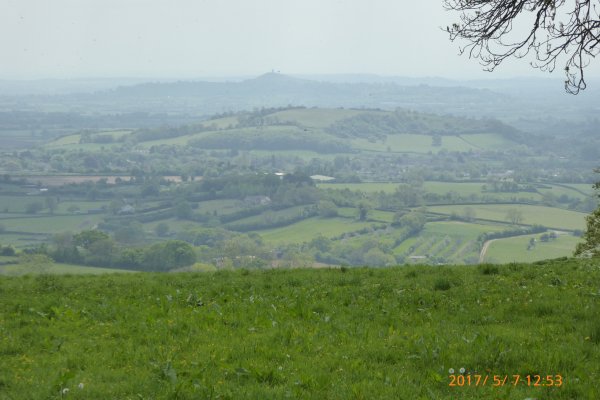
324	334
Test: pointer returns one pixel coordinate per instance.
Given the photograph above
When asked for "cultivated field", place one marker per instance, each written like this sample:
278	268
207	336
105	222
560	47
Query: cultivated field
515	249
310	228
532	215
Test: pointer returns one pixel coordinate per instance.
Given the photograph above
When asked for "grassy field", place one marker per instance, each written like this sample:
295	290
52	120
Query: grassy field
368	187
515	249
55	269
408	143
17	204
70	141
310	228
460	229
532	215
315	118
584	187
177	141
51	224
316	334
373	215
569	190
221	207
464	189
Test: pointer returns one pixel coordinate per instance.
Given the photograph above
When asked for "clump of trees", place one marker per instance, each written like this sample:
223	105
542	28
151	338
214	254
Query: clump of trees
591	245
94	247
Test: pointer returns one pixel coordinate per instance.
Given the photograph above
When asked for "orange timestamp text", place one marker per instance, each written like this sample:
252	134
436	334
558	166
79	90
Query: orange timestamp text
461	380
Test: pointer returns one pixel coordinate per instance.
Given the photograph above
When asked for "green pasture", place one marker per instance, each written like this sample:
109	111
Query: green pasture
222	207
84	206
367	187
373	215
464	188
532	215
51	224
460	229
584	187
71	141
439	188
514	249
55	269
21	240
308	229
411	143
389	333
18	204
176	141
570	190
305	155
271	215
316	117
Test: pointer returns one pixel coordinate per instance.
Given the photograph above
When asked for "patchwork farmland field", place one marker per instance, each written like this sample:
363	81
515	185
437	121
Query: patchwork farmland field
532	215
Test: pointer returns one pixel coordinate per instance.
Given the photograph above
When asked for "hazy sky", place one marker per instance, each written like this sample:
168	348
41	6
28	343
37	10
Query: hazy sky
201	38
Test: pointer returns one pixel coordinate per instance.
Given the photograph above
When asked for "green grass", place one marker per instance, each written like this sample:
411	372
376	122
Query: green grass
21	240
410	143
367	187
460	229
51	224
223	206
310	228
177	141
306	155
372	216
270	215
316	118
72	141
515	249
18	204
303	334
464	188
55	269
560	190
532	215
584	187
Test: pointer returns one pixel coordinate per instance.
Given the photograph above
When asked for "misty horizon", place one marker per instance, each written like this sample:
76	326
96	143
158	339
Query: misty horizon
235	40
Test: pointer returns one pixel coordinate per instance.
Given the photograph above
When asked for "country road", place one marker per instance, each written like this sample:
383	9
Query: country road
484	249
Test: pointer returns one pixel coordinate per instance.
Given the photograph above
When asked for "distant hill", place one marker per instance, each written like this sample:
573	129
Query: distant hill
203	98
531	105
323	130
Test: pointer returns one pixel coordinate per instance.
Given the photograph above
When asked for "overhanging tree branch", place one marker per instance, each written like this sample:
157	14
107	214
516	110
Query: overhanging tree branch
559	29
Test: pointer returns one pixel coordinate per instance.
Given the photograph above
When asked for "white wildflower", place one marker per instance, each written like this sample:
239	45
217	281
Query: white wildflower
451	371
462	370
